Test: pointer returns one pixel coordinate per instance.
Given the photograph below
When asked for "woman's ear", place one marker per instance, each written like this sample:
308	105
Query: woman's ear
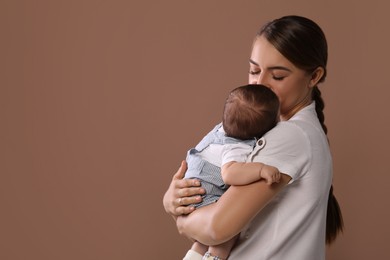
316	76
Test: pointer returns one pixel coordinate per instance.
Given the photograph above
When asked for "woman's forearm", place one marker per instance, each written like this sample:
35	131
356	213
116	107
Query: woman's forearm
221	221
199	226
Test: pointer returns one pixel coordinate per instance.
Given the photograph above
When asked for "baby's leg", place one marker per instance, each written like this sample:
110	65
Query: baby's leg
199	248
196	252
223	250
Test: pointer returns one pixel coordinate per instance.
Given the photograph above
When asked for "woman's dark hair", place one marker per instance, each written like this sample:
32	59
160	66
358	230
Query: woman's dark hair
303	43
250	111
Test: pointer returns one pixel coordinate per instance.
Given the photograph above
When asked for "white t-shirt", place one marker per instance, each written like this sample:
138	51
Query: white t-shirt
219	154
292	225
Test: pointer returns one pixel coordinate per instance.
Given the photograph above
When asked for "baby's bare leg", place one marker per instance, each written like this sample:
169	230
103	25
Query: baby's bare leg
196	252
222	250
199	248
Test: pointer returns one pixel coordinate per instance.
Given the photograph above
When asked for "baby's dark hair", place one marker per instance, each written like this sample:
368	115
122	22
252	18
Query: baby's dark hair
250	111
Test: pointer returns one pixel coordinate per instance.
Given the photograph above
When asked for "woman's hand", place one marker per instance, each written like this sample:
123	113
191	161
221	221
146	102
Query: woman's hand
181	193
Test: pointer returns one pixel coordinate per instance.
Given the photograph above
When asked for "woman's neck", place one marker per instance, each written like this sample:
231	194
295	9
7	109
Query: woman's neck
307	100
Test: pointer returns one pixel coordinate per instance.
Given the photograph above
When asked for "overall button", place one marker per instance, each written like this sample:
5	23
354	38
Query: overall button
260	143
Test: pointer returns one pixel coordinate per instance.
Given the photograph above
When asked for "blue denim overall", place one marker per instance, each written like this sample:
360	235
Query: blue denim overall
208	173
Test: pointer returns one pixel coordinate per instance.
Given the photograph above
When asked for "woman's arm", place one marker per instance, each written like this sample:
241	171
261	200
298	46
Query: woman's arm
243	173
219	222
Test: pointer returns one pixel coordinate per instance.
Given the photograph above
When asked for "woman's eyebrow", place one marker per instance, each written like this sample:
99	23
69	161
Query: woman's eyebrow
279	68
272	67
253	62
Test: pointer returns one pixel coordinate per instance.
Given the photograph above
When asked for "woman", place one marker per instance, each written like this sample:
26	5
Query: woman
294	218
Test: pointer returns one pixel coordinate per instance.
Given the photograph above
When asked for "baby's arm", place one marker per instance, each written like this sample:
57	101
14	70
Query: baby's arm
241	173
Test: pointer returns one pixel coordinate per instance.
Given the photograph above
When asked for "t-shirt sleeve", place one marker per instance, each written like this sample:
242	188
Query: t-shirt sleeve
238	152
286	148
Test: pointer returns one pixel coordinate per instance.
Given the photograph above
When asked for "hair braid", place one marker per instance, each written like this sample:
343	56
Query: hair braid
334	218
319	107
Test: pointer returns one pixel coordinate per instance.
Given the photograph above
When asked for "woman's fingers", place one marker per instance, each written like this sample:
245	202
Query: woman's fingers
181	205
188	196
181	193
185	201
184	210
186	183
187	190
181	171
178	180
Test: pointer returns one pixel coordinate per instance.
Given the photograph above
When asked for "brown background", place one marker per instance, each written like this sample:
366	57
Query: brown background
99	101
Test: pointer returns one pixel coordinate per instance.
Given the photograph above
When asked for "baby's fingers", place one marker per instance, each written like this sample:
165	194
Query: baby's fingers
269	180
278	177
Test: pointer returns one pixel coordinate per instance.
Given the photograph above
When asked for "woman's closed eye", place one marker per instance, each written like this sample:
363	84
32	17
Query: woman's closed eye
254	72
278	78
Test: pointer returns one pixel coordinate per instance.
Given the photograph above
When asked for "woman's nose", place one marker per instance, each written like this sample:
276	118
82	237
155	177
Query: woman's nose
259	80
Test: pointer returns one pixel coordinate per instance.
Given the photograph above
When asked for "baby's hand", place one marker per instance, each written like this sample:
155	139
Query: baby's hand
270	174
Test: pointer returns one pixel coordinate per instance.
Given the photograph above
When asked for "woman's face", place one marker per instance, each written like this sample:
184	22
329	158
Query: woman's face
291	84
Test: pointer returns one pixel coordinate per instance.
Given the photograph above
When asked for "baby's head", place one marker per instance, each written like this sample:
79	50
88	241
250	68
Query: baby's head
250	111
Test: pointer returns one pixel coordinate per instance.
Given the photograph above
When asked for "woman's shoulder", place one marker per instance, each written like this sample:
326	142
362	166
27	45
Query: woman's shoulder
286	148
286	131
285	138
